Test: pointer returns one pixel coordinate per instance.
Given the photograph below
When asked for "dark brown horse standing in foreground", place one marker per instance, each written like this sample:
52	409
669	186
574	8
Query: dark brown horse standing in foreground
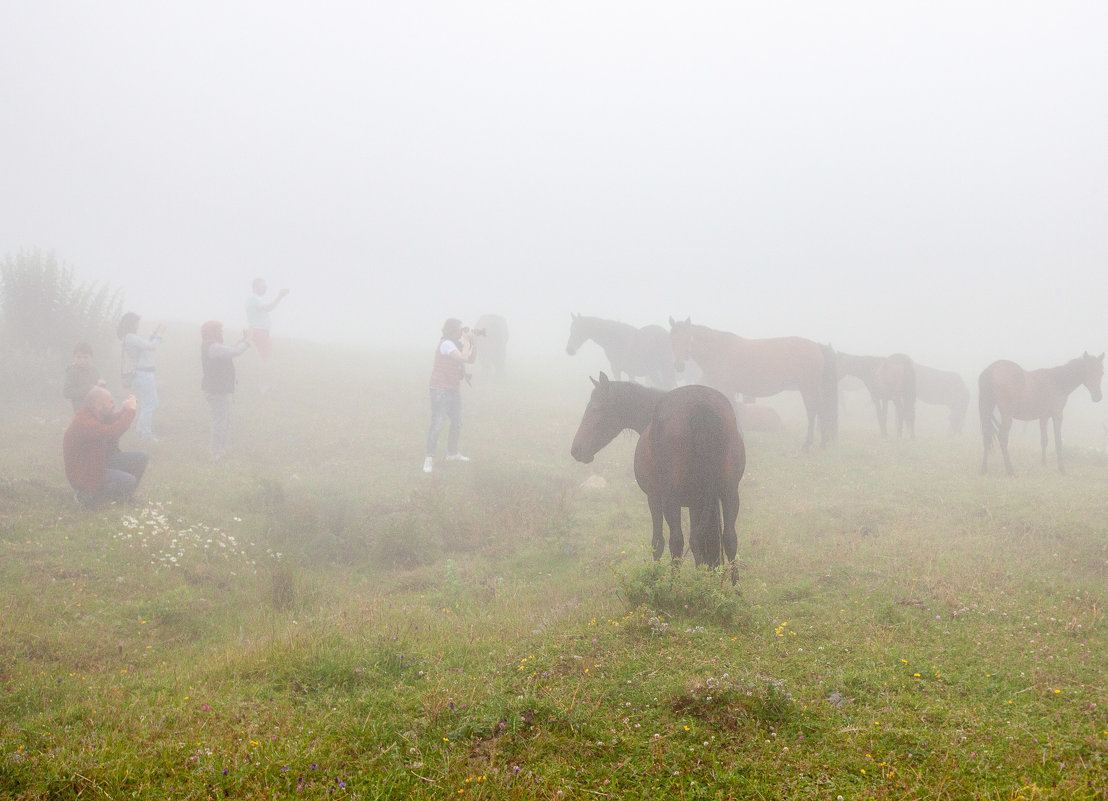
759	368
689	454
1036	395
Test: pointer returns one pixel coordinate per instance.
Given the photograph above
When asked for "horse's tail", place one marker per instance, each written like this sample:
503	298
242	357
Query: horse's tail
829	392
708	438
986	401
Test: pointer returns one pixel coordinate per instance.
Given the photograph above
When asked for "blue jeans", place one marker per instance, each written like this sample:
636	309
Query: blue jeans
121	477
146	391
445	403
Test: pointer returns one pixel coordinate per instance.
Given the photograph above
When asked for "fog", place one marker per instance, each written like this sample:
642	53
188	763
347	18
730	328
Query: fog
918	177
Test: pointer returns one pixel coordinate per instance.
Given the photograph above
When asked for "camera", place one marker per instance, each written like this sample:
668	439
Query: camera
477	332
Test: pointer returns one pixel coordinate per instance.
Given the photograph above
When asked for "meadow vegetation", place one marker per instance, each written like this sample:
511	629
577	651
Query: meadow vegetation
315	617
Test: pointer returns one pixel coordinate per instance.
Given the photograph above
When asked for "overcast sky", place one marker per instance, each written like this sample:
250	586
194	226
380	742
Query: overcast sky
923	177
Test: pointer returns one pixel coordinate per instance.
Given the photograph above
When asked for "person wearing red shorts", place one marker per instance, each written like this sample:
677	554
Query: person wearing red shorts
257	318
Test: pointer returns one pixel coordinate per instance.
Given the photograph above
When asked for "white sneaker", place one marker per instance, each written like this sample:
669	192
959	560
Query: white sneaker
456	457
427	464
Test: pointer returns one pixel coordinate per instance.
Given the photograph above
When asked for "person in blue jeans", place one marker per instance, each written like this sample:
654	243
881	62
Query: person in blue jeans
96	468
456	349
138	371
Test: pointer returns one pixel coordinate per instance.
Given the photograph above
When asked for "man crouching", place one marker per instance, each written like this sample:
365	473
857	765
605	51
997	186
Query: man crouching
95	466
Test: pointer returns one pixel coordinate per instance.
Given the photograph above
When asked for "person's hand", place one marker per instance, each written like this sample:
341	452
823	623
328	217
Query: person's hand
159	330
130	403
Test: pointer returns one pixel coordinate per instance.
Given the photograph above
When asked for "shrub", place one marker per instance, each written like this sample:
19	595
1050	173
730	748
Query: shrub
699	594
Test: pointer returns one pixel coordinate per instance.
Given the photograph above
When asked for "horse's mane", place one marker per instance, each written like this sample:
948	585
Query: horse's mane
639	400
1067	377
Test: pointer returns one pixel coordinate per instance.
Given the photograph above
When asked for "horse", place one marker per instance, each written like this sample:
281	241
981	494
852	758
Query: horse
758	417
631	351
690	453
1032	395
759	368
943	388
613	407
888	379
493	345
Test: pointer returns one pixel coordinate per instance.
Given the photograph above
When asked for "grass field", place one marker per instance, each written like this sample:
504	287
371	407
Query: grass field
316	618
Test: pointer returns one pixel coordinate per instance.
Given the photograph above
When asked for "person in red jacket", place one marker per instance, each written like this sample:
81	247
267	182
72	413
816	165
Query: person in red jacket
456	349
97	470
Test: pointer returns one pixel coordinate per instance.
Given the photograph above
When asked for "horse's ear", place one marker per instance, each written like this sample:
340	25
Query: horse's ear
671	321
603	379
595	383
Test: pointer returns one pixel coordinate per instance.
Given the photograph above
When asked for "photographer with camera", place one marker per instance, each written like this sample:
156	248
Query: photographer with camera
456	349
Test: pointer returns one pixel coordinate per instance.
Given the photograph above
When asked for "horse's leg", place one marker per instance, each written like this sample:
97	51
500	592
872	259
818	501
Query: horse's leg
810	406
1043	438
1057	443
883	417
657	541
696	543
1002	438
730	503
676	536
898	409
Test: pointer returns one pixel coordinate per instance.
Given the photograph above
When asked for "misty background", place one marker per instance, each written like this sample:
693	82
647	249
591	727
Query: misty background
917	177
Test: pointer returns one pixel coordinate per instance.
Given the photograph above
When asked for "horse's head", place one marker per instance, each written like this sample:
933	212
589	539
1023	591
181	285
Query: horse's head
577	334
600	423
1093	371
681	339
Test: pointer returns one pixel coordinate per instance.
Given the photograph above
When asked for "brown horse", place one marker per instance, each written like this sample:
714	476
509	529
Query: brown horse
759	368
689	454
1036	395
943	388
891	379
493	349
632	351
613	407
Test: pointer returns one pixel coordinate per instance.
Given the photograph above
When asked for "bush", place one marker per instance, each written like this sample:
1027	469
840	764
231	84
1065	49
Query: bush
43	314
699	594
44	309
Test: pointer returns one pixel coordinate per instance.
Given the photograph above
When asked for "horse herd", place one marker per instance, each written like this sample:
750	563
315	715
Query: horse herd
690	451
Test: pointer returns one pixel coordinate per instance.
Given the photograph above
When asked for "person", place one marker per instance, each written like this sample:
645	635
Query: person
138	370
218	383
80	376
257	318
456	349
95	467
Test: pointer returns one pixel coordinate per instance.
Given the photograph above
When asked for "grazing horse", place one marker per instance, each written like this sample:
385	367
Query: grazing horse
613	407
689	454
759	368
631	351
1032	395
889	379
943	388
493	346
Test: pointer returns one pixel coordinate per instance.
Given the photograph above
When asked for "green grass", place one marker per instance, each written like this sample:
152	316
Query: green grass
315	617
